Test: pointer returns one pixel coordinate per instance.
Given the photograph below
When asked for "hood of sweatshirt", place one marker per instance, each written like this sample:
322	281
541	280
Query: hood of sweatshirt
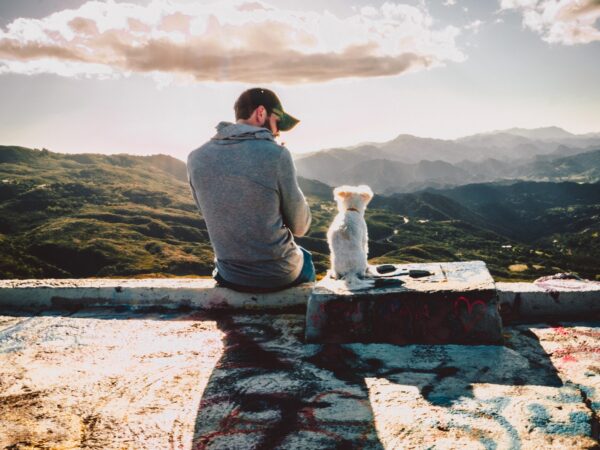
228	132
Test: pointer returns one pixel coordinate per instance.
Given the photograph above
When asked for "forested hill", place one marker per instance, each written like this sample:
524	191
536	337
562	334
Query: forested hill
82	215
67	215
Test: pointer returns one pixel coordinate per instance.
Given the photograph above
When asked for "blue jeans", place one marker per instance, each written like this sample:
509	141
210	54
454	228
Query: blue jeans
307	274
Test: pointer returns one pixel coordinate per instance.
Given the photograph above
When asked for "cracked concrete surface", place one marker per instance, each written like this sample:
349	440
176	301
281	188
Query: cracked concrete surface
116	379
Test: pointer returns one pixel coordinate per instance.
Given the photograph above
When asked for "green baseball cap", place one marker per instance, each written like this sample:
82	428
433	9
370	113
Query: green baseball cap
255	97
285	122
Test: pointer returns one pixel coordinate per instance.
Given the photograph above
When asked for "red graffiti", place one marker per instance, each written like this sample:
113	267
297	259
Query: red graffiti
233	424
414	313
560	330
226	428
400	320
472	319
576	332
317	317
353	314
570	351
569	358
314	425
475	311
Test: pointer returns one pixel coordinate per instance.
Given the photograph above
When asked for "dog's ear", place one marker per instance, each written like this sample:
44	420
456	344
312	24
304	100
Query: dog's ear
342	192
365	192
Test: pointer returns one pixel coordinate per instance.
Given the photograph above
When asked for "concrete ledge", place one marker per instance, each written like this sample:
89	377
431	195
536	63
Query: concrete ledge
151	292
518	302
560	299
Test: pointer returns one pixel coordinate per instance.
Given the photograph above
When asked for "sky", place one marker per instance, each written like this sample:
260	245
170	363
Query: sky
156	76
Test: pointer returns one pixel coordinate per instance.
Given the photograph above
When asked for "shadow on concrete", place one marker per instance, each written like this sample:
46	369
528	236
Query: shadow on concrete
266	392
270	390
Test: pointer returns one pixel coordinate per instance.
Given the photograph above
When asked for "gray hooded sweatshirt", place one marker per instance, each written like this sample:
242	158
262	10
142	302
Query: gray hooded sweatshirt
245	186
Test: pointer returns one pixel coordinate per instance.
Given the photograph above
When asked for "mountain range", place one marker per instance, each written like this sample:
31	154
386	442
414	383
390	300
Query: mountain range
409	163
88	215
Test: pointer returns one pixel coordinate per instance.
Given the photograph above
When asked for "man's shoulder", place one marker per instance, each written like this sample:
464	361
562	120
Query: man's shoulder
257	146
271	147
195	152
261	151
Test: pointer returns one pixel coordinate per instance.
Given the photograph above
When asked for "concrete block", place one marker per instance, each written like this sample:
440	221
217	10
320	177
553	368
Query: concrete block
152	292
457	303
560	299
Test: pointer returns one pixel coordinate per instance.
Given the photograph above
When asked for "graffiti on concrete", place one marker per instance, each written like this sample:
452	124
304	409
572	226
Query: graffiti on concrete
435	320
458	308
275	399
204	381
384	396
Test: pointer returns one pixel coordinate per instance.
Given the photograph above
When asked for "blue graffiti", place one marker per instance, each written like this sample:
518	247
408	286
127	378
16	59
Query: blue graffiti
578	424
493	408
488	443
566	395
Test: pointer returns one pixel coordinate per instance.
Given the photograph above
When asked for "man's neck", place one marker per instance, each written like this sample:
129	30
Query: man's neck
248	122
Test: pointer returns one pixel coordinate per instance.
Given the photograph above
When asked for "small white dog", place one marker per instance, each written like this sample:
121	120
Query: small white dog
347	236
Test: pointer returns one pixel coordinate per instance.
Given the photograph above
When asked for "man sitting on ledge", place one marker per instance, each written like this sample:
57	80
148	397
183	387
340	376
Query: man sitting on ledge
245	186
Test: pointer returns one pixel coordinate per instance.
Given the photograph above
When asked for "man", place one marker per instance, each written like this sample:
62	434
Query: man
245	186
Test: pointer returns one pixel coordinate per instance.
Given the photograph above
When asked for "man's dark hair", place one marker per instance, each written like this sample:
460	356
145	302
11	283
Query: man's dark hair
251	99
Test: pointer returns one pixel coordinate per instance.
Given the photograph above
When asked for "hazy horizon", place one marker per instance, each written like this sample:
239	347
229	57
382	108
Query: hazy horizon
295	154
154	77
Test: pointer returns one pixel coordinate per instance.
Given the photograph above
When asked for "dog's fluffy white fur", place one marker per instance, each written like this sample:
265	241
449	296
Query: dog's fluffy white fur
347	236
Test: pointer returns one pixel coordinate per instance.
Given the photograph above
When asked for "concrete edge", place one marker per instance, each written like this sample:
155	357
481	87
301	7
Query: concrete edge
568	299
517	301
142	293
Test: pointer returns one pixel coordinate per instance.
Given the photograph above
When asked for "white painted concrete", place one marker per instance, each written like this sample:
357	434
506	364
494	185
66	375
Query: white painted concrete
550	298
444	277
562	298
163	292
103	379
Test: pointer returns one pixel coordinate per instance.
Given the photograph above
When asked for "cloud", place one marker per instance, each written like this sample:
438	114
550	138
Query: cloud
245	41
474	26
566	22
449	2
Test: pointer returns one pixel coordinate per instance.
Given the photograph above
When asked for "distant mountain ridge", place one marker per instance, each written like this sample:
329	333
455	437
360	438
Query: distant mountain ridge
544	133
409	163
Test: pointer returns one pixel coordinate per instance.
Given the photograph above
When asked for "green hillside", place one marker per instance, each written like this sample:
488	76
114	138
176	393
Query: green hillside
581	167
95	215
549	227
122	216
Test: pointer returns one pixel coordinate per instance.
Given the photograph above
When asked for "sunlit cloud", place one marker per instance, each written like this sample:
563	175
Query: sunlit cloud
566	22
243	41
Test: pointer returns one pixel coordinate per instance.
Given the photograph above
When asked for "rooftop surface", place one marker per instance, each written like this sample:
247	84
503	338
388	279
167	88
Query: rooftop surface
112	378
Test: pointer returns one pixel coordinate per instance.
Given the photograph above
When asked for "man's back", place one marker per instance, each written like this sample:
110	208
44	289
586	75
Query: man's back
245	185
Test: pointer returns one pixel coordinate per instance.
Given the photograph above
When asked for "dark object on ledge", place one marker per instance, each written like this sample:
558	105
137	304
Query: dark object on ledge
385	268
419	273
390	270
383	283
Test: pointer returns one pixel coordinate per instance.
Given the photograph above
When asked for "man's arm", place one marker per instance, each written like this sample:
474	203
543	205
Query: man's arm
189	177
294	208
